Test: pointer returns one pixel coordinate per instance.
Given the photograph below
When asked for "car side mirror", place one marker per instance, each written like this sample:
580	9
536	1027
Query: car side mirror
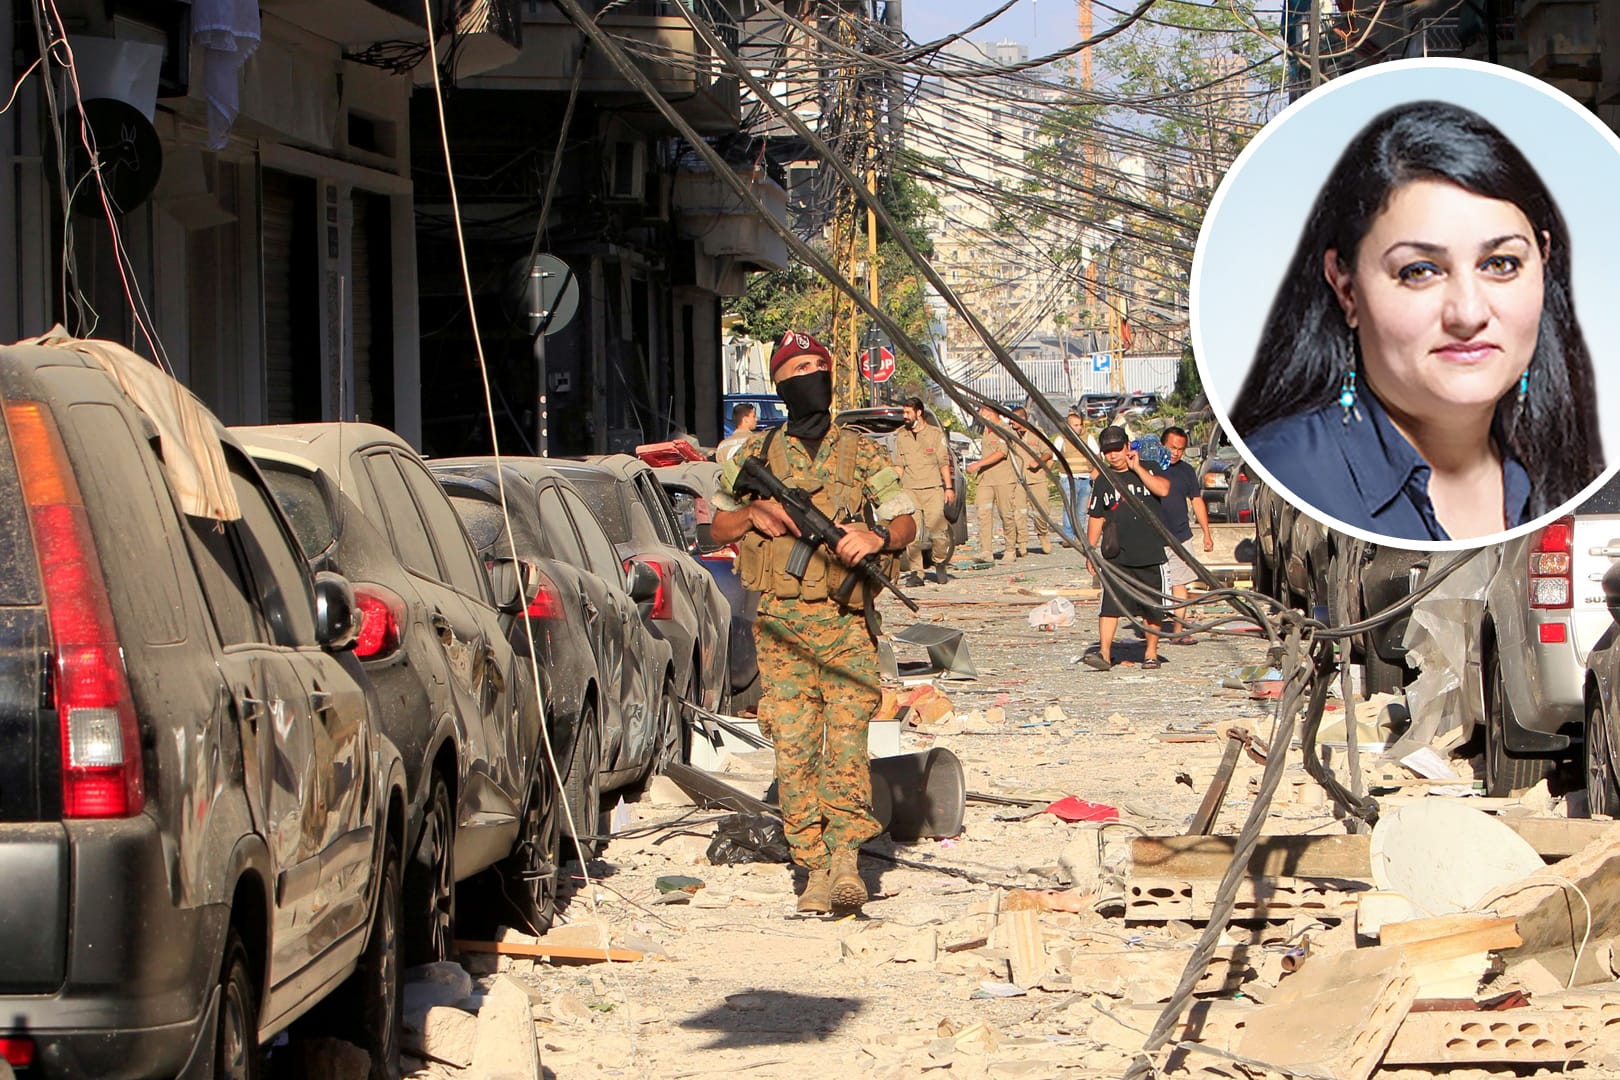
337	615
506	585
642	584
1611	590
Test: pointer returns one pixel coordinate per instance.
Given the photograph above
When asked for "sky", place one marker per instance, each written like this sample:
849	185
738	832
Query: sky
1050	23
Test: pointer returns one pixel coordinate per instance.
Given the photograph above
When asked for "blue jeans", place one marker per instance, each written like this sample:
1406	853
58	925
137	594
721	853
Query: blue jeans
1076	493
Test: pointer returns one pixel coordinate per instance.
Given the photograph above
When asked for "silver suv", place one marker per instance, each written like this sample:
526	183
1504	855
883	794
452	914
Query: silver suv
1524	686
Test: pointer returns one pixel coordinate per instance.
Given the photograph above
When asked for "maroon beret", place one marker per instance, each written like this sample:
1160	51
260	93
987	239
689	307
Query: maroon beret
795	343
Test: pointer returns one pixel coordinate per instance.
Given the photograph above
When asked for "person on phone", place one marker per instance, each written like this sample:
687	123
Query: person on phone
1136	549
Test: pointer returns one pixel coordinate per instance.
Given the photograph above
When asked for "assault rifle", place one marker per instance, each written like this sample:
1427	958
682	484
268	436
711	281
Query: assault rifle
815	530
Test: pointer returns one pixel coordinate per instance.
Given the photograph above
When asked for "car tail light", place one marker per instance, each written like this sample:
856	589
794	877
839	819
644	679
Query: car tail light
1552	583
1554	633
101	750
663	604
17	1050
1245	515
382	621
1243	478
547	601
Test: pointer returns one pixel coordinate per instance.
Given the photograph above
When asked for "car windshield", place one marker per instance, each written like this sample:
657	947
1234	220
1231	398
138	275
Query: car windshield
601	494
772	411
483	521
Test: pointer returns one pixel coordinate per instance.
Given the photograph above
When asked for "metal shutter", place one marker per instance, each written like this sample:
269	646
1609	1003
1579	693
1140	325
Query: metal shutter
277	223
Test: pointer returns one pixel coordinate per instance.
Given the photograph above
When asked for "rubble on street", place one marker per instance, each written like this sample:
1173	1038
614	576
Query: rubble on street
1044	942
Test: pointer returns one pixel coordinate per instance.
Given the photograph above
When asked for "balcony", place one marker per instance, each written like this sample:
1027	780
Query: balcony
657	38
488	32
1562	38
726	234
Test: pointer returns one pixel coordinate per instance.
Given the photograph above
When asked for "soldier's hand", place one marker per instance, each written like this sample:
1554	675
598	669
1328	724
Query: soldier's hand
857	545
768	516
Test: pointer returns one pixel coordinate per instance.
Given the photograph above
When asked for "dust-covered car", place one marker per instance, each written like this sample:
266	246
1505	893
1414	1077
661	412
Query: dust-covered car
607	681
462	710
689	610
200	822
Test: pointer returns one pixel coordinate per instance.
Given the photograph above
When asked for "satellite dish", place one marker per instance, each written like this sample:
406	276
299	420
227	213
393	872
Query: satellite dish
127	146
550	294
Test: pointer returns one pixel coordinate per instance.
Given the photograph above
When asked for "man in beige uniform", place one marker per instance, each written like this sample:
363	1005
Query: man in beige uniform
924	464
997	479
1033	503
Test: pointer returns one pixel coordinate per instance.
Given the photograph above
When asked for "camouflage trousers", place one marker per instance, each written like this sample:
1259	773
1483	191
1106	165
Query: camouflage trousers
818	672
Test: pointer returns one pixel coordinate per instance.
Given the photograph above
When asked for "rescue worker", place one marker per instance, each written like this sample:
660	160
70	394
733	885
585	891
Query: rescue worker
997	479
818	661
924	464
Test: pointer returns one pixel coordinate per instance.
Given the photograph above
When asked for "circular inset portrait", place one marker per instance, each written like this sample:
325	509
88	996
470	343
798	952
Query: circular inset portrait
1400	295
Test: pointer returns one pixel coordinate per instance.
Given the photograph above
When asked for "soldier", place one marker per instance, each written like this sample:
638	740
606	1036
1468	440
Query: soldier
924	463
997	479
817	656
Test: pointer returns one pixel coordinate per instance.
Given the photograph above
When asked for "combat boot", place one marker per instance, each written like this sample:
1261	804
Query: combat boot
848	890
817	896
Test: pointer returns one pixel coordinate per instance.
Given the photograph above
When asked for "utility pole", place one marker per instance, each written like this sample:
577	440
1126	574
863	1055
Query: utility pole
871	216
1315	30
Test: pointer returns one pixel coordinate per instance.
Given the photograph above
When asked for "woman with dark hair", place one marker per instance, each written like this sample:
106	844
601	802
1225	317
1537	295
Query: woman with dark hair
1422	374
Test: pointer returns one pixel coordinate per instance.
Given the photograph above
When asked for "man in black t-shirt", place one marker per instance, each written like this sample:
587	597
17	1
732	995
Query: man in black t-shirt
1141	548
1184	492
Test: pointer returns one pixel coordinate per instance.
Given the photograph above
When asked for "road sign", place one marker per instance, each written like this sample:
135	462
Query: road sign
1101	361
877	363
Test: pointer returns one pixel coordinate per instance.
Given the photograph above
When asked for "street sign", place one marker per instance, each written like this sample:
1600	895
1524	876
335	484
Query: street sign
877	363
1101	361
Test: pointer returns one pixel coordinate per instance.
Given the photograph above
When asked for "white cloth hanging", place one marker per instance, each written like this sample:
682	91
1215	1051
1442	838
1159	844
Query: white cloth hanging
228	33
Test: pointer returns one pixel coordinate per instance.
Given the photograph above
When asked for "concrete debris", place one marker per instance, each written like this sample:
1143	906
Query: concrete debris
446	1034
505	1044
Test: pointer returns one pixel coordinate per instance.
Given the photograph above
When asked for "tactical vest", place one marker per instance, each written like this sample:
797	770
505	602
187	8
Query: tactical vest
762	560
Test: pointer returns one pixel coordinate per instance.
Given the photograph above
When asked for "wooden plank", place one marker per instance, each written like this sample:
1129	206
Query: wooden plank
1335	856
1025	950
1491	932
540	948
1276	856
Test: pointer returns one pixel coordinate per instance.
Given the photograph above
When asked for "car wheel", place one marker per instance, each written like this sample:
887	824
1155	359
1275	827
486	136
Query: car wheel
583	786
377	997
1602	791
431	881
1505	772
236	1036
1379	676
532	870
672	746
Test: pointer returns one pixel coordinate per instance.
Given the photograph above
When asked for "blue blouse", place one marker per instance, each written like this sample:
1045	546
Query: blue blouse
1364	472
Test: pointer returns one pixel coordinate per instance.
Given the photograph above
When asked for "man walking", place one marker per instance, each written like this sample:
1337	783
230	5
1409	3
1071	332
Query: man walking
1077	483
744	419
997	479
1032	502
924	463
1184	491
818	662
1135	547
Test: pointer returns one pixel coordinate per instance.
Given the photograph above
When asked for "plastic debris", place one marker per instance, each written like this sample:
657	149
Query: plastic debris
746	838
1055	613
1071	808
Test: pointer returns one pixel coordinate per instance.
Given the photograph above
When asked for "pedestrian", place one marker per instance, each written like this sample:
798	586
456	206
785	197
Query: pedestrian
744	419
1076	486
818	662
1031	495
1134	547
924	463
1184	492
997	480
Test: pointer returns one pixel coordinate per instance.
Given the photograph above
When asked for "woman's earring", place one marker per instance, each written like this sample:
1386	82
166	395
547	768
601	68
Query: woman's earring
1524	388
1347	386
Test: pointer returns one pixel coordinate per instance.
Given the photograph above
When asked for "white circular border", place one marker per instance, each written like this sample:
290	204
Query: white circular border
1213	384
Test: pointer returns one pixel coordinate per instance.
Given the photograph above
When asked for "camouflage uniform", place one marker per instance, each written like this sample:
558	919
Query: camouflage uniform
818	663
997	485
920	455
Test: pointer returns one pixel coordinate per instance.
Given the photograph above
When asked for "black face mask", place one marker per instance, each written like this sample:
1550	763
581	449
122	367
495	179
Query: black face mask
808	398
